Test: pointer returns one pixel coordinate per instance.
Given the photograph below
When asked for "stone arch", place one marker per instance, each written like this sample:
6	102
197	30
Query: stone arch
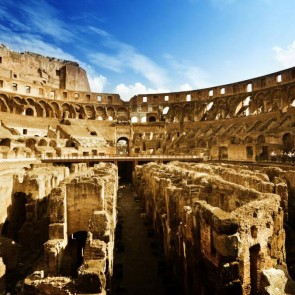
242	106
288	142
187	113
52	143
31	143
122	145
134	119
70	143
42	142
3	105
68	108
291	94
176	113
48	110
122	114
100	112
56	109
90	112
223	153
152	119
40	111
80	112
221	109
18	105
276	99
110	112
5	142
257	105
29	111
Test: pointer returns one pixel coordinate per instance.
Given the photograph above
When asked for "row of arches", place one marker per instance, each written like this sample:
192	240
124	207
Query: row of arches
278	99
270	100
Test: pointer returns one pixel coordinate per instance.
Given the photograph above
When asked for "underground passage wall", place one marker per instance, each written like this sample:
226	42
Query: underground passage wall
221	225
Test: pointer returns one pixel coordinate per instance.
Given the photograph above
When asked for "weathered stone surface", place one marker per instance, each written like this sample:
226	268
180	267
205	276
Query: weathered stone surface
227	218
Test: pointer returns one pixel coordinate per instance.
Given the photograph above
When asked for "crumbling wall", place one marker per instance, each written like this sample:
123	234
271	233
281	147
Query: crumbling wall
222	225
84	202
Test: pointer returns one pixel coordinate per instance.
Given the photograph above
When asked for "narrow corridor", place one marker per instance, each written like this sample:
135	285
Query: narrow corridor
139	266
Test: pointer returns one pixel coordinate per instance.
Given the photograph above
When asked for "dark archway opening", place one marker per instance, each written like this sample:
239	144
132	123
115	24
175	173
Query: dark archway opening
16	216
125	169
288	142
223	153
29	112
152	119
74	254
254	256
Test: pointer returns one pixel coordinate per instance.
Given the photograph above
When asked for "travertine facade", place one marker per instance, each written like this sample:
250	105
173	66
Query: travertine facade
234	223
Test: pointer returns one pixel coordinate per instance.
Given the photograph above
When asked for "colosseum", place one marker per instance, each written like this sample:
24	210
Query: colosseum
187	193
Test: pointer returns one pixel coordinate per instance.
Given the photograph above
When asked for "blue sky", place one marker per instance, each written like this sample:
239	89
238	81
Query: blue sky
145	46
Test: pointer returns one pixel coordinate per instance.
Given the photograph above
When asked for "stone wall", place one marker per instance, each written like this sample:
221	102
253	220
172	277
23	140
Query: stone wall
222	225
84	202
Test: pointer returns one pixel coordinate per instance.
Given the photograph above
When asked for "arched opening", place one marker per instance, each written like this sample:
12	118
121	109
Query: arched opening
70	143
223	155
31	143
123	146
152	119
29	112
254	256
42	142
5	142
134	119
3	105
165	110
288	142
52	143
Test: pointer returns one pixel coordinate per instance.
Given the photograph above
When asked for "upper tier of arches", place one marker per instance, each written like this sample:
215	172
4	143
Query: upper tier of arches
273	92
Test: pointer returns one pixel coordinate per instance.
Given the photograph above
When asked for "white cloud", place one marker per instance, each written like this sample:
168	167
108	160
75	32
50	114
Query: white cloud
128	91
191	75
286	56
185	87
97	83
36	16
123	57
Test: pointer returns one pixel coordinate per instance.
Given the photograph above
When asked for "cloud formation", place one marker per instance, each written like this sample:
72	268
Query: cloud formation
97	83
122	57
128	91
193	76
286	56
35	17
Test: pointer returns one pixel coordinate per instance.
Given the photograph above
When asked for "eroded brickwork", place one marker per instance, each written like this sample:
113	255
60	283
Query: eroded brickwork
222	225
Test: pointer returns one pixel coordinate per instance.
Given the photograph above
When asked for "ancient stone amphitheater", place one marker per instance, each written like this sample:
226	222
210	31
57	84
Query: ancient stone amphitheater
209	173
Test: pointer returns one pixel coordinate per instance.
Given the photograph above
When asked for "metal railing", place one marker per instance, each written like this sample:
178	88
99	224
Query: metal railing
118	157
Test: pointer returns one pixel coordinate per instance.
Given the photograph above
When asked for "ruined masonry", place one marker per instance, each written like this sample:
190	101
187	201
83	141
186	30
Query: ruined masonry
213	170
